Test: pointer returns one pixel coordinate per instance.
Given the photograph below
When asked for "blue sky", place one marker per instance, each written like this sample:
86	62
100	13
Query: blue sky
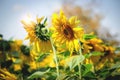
12	11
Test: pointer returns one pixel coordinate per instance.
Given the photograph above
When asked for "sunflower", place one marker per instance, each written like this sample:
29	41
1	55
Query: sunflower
6	75
67	31
94	44
15	45
109	54
17	67
38	34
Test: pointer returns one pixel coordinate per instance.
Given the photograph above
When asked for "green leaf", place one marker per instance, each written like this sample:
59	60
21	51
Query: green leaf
88	36
45	20
15	54
25	50
74	61
50	33
117	65
86	68
1	36
103	73
96	53
63	46
90	76
17	61
4	45
118	48
87	55
52	77
62	76
65	53
41	57
37	74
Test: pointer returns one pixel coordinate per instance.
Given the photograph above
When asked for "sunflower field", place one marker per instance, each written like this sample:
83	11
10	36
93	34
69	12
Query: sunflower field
62	51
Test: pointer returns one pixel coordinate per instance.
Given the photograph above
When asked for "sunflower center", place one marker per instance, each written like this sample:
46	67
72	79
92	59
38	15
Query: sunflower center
68	32
41	32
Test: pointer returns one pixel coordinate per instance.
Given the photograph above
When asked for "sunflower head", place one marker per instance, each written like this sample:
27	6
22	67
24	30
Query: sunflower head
38	34
67	31
36	30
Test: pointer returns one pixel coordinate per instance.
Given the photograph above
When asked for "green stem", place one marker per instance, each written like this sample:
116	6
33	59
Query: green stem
79	65
55	58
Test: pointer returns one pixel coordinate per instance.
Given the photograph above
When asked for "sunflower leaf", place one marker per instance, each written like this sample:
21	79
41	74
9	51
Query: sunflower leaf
117	65
18	61
118	48
88	36
90	76
45	20
37	74
96	53
41	57
74	61
15	54
86	68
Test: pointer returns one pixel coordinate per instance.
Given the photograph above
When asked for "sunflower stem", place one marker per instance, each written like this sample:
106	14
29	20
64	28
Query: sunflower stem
55	58
79	65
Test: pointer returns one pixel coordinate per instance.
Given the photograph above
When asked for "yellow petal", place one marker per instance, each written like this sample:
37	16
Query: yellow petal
39	19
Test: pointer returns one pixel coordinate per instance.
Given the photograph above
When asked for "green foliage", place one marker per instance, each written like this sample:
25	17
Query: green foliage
107	72
116	66
25	50
94	53
6	64
86	68
1	35
65	53
74	61
45	20
42	57
17	61
118	48
4	45
88	36
15	54
90	76
37	74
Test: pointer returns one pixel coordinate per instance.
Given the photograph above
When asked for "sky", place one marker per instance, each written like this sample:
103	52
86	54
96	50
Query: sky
13	11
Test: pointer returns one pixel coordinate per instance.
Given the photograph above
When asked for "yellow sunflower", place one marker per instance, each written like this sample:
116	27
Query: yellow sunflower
38	34
6	75
94	44
67	31
15	45
109	53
